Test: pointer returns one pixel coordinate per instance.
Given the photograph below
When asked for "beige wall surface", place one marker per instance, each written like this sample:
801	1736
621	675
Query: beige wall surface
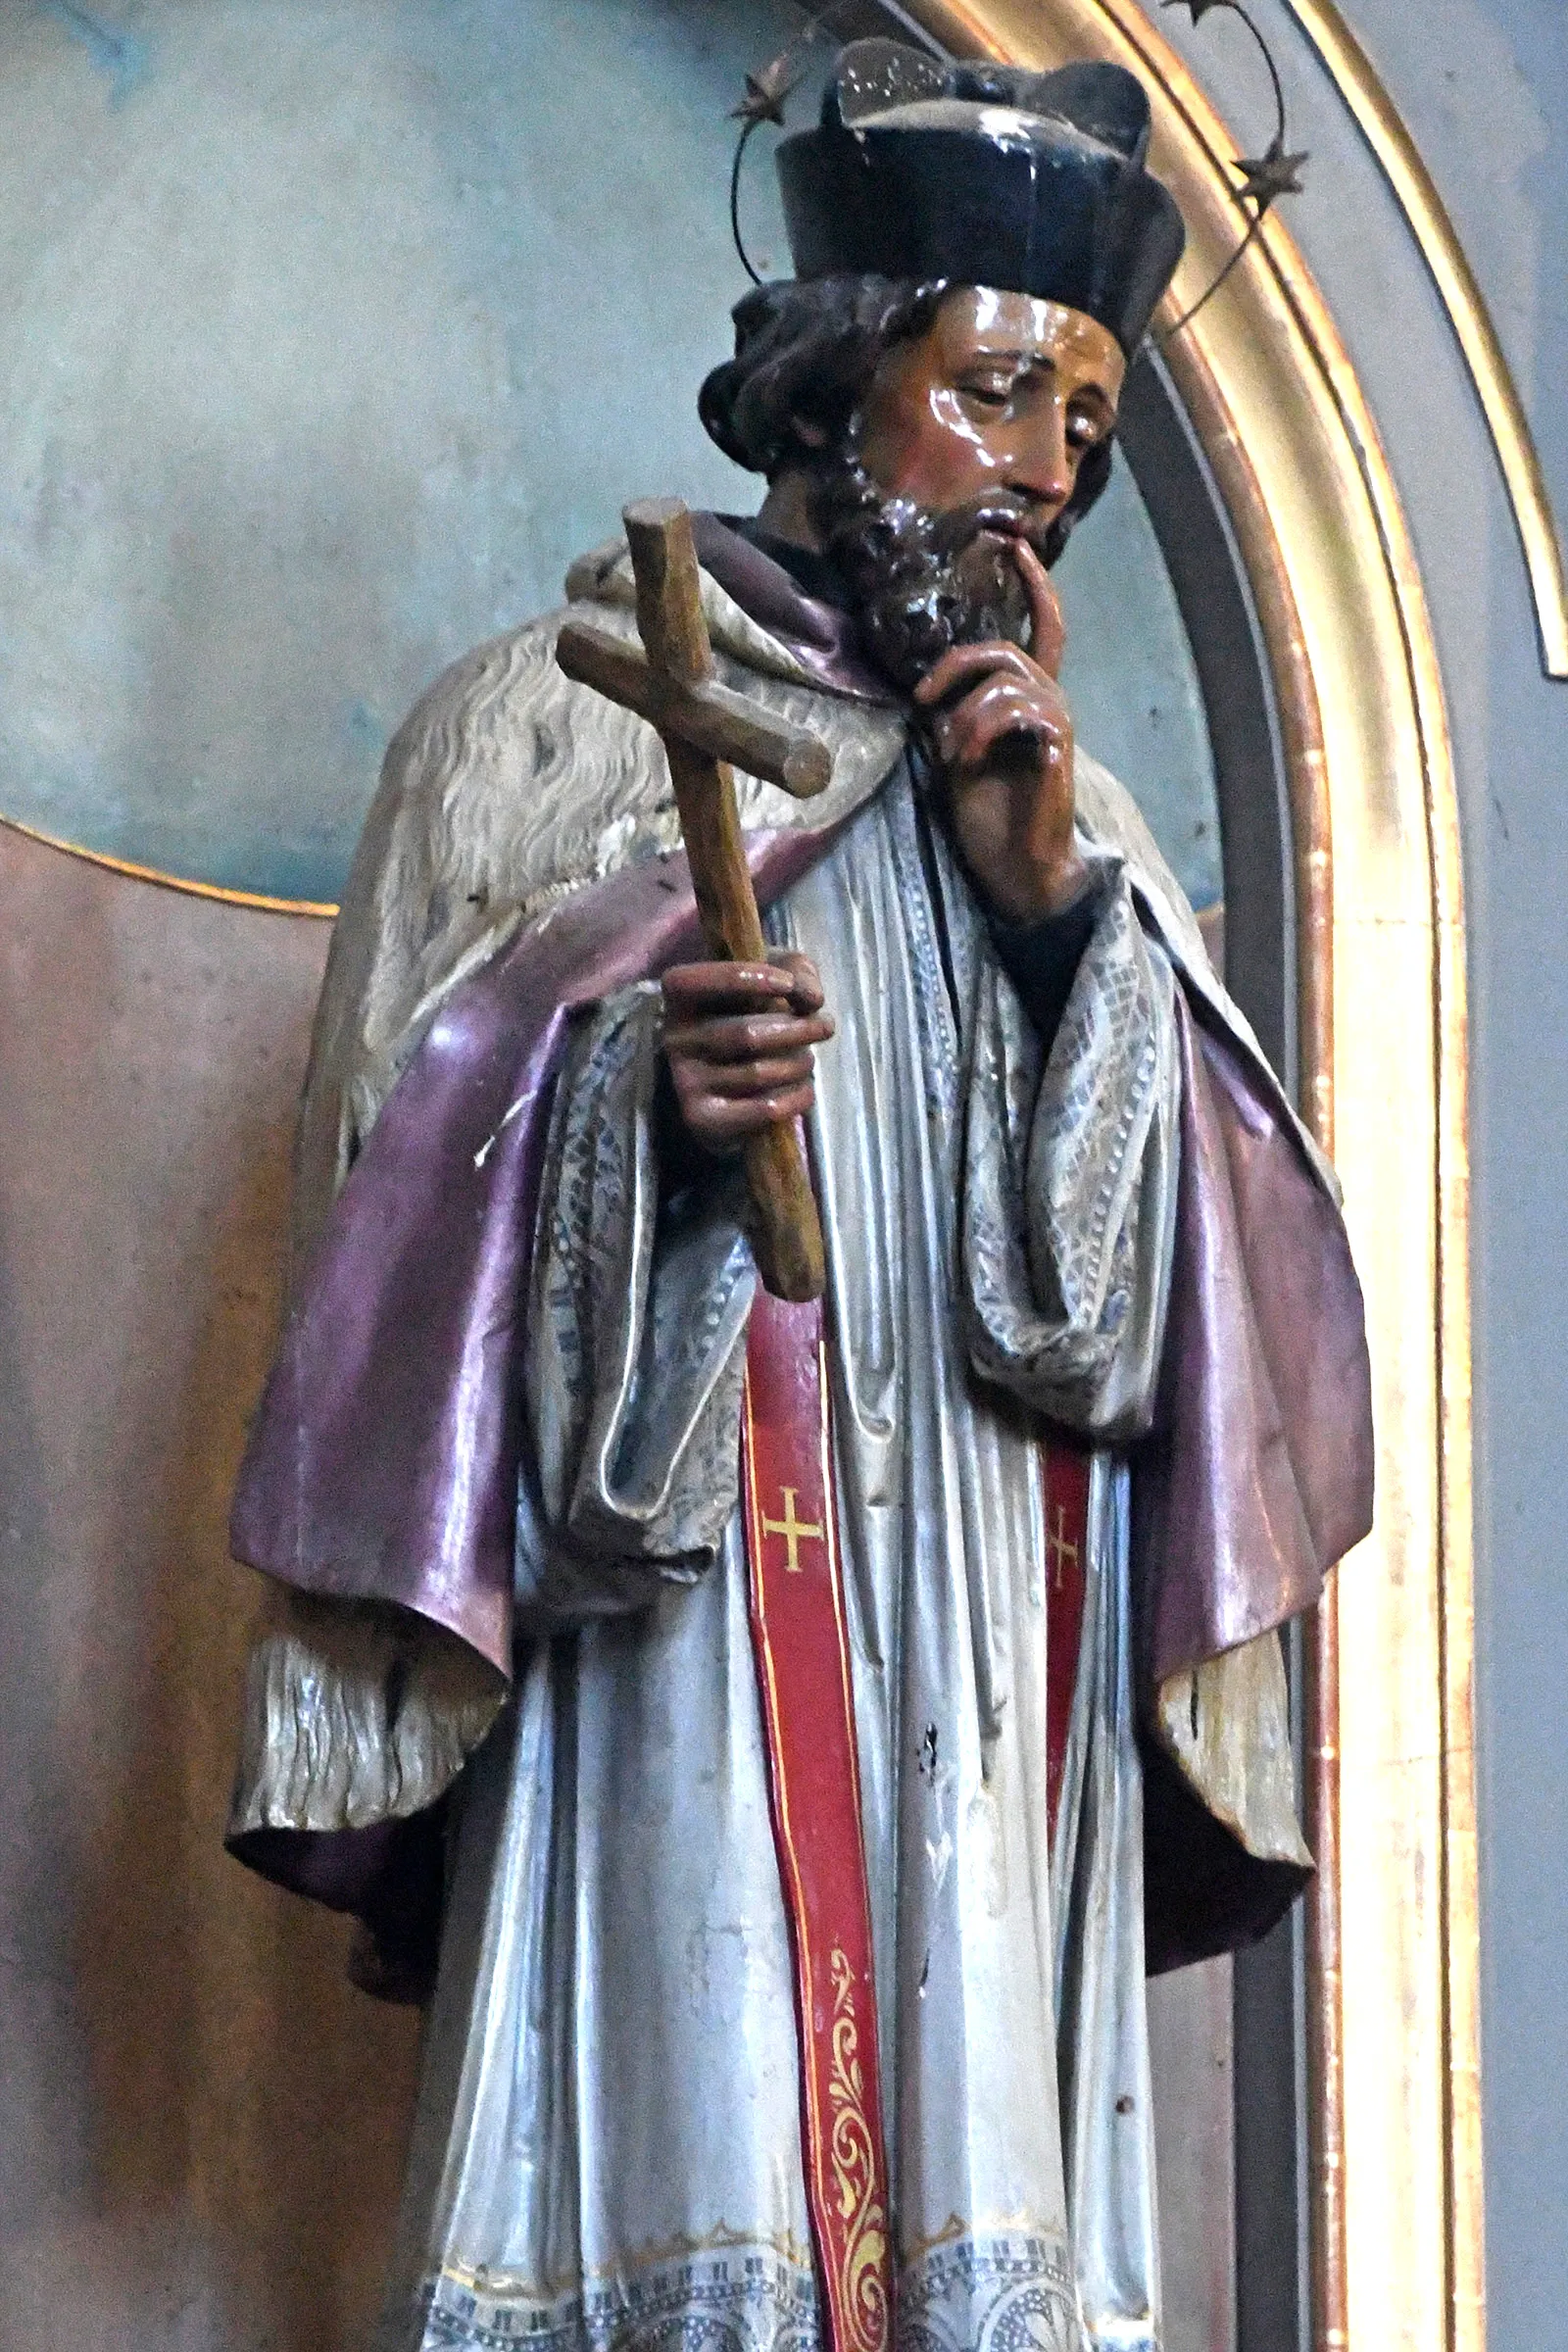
201	2123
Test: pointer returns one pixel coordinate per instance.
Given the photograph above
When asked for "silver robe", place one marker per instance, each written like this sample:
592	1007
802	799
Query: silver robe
608	2143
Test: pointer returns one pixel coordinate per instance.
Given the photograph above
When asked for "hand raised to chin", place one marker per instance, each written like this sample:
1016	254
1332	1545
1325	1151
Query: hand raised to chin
1003	736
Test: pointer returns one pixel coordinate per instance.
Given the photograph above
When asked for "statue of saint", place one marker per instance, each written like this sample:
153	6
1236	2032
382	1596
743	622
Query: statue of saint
778	1740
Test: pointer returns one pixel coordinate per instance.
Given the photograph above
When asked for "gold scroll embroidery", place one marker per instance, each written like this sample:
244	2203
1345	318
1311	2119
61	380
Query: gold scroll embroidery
853	2145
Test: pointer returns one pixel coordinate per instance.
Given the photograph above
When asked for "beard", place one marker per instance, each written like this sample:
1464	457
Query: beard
922	581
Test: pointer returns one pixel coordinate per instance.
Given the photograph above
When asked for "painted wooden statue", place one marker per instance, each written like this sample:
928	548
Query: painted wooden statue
778	1734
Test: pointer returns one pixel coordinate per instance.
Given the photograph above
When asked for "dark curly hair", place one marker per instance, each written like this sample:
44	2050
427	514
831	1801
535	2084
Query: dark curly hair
806	351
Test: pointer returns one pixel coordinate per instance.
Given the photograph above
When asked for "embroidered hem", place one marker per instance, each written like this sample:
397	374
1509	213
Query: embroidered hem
968	2294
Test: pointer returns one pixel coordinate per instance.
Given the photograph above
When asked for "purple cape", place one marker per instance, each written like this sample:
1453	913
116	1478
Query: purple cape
383	1460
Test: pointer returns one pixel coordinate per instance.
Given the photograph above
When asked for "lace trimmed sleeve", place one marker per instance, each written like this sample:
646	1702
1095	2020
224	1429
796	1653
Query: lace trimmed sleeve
637	1340
1070	1166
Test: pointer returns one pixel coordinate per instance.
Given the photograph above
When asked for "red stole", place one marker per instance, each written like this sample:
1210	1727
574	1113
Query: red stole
802	1667
802	1650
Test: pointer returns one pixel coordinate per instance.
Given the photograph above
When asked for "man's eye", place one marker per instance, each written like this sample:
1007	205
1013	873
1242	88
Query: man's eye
991	395
1082	430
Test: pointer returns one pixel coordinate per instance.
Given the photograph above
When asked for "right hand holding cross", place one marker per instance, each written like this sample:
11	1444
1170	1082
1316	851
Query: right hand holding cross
739	1039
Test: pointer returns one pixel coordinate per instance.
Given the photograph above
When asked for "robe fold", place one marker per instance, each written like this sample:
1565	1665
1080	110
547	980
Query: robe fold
496	1465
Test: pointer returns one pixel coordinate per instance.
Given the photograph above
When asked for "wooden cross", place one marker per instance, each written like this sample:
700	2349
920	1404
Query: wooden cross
703	726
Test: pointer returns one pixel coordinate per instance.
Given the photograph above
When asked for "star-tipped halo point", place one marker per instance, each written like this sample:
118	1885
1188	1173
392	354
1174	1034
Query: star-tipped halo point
766	93
1269	175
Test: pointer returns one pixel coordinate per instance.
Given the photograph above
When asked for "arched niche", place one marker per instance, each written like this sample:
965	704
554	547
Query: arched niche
1307	684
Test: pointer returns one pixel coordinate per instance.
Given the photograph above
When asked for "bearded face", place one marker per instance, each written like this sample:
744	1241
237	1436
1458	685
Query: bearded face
967	440
924	580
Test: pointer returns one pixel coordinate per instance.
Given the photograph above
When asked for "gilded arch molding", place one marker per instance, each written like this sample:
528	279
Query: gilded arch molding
1354	76
1393	1994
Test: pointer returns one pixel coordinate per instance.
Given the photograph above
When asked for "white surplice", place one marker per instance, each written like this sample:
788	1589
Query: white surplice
608	2150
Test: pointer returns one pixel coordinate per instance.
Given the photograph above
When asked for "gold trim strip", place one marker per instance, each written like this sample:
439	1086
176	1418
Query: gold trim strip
254	900
1356	78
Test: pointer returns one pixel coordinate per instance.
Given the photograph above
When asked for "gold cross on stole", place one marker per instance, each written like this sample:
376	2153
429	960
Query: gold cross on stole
1059	1553
794	1532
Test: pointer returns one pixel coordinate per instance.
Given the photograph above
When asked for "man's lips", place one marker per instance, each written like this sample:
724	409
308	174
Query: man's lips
1006	525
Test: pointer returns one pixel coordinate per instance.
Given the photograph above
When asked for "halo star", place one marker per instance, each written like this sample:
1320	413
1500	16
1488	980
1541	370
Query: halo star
768	91
1269	175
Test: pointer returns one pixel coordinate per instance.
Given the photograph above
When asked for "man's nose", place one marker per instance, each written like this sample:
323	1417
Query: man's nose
1040	468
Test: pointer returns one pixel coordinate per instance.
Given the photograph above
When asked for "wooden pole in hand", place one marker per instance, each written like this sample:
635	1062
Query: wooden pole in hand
703	726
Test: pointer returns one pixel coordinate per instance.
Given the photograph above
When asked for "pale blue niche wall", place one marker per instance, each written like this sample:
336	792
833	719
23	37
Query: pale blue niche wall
330	332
